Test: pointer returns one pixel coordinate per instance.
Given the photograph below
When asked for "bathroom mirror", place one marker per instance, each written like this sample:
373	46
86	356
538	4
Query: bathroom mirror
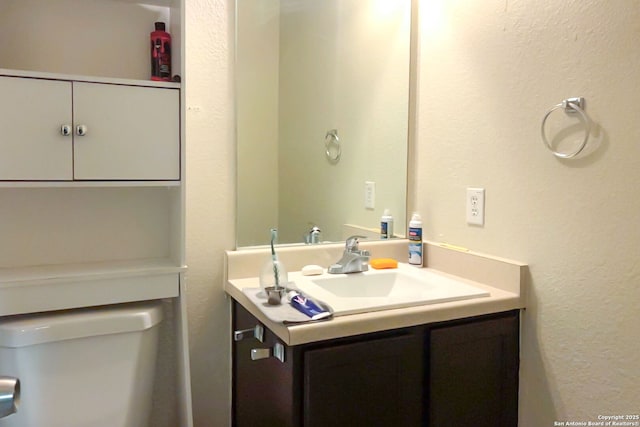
322	110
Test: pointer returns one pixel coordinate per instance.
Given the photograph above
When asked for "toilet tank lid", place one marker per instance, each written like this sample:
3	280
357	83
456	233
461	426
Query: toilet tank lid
32	329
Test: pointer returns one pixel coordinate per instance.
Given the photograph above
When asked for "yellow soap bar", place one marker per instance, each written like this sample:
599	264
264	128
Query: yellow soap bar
380	263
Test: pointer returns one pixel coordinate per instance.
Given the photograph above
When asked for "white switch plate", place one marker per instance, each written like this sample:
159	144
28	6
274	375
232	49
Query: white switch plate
369	195
475	206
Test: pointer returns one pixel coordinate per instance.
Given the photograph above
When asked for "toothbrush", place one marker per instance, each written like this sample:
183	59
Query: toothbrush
274	258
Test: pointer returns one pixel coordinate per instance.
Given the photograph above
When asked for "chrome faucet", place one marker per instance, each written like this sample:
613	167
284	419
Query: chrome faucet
353	259
313	237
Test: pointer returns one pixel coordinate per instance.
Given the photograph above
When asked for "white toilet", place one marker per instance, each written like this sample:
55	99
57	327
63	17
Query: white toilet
82	368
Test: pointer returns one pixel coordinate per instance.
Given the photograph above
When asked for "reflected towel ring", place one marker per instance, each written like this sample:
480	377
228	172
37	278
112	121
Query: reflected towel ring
570	105
333	150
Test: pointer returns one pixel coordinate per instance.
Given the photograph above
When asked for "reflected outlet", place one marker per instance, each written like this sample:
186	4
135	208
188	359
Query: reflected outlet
369	195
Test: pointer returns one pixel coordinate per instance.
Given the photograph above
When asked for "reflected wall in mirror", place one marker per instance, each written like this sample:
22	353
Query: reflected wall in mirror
304	68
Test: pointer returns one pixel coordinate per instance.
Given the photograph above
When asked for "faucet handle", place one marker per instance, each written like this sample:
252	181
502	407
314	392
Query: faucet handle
352	243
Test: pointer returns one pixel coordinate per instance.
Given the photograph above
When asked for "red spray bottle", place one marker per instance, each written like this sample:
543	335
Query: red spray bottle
160	53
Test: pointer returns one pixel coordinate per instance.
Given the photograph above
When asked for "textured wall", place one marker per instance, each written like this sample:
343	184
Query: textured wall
489	71
210	204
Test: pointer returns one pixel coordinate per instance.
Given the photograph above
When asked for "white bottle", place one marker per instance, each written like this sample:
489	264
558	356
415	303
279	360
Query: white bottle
386	225
415	240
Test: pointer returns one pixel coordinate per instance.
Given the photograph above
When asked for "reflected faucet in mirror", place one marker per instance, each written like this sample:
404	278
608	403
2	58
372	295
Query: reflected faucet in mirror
313	237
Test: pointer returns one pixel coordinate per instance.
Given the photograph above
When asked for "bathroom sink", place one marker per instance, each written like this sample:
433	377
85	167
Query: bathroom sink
384	289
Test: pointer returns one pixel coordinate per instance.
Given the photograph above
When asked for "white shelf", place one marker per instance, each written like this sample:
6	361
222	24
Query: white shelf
160	3
104	38
40	274
92	79
87	184
58	287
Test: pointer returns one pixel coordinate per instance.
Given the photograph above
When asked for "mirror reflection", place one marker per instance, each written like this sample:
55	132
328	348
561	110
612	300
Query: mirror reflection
322	98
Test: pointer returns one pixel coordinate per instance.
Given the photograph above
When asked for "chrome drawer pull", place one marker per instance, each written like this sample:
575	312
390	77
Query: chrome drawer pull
265	353
256	332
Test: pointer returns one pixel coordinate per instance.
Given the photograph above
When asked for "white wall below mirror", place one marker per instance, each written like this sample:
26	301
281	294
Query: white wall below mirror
305	67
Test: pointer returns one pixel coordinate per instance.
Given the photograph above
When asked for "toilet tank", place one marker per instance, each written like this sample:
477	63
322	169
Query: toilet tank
89	367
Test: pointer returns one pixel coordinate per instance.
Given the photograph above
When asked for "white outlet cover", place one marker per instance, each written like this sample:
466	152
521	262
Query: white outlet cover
475	206
369	195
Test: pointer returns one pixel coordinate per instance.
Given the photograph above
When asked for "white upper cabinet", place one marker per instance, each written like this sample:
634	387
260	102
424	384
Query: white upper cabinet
130	132
66	130
87	64
32	146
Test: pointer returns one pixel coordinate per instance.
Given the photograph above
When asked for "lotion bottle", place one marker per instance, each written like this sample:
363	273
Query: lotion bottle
386	225
415	240
160	53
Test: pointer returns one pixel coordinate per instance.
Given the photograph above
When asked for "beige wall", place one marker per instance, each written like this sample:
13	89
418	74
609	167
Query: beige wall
210	204
489	71
257	120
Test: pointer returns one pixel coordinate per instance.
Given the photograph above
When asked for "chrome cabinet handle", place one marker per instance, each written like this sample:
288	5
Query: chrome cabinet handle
256	332
65	130
81	130
264	353
260	353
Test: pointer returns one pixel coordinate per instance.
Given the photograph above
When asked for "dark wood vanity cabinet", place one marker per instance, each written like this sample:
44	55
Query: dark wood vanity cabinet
265	391
377	382
472	374
453	373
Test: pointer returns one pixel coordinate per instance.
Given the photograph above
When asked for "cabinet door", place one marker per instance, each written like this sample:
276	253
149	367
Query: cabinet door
368	383
132	132
266	391
473	374
32	112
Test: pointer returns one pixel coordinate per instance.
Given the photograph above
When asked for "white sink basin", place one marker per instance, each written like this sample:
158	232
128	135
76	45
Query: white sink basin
384	289
387	283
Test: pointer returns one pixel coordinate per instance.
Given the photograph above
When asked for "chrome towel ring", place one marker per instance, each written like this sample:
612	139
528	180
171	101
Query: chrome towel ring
333	150
570	106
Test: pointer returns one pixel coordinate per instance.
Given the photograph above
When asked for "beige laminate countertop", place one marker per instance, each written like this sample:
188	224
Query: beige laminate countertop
503	279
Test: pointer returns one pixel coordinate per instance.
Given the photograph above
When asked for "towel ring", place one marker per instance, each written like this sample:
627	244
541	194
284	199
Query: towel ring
570	106
333	150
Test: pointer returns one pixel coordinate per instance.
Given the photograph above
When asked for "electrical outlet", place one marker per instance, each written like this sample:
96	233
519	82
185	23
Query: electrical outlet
475	206
369	195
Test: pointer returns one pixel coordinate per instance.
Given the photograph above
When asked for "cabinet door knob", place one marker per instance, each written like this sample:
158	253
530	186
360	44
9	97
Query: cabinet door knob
256	332
81	130
264	353
65	130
